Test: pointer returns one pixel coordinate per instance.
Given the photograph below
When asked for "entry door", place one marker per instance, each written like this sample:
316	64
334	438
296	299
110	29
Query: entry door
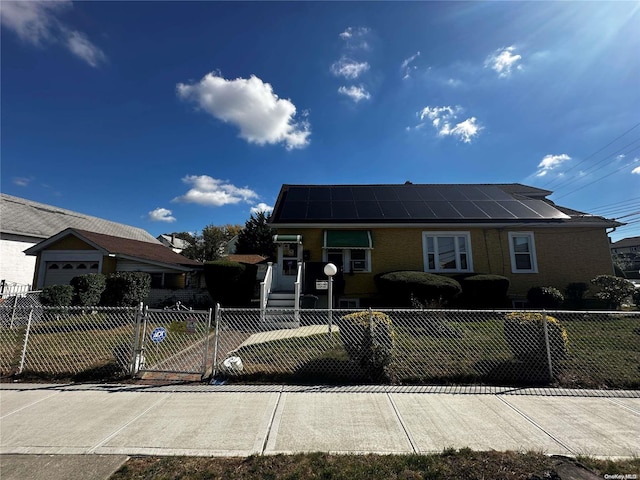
289	254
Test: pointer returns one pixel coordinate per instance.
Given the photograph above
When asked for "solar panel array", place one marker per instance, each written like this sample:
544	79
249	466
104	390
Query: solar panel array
408	203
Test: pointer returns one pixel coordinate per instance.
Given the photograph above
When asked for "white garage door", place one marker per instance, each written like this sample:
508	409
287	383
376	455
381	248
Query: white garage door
61	273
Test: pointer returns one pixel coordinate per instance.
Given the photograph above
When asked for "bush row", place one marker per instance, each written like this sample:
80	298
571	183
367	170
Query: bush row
120	289
414	289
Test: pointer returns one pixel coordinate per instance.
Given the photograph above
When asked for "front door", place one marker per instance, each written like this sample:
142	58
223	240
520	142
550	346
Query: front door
289	254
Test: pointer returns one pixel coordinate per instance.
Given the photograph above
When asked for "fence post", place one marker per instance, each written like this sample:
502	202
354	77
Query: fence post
206	348
13	310
214	369
135	357
26	341
545	327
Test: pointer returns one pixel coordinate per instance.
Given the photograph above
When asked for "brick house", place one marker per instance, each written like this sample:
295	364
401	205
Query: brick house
512	230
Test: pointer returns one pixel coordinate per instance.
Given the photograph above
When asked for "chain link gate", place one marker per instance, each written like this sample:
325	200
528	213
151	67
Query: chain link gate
170	341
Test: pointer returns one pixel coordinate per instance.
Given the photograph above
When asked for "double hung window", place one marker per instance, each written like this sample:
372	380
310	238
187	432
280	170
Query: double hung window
523	252
447	252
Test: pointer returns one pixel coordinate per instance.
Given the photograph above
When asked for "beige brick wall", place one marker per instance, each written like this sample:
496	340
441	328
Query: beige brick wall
564	255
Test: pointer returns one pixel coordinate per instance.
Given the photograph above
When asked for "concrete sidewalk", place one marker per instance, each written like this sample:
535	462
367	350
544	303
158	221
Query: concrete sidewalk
243	420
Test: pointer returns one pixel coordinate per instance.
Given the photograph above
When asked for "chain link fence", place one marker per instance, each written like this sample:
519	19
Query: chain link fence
77	343
564	348
411	347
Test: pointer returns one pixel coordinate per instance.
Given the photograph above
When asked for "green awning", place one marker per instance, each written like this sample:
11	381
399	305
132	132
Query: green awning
347	239
287	238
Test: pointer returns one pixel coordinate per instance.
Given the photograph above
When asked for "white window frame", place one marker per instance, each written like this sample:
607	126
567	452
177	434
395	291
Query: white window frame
532	252
346	259
437	269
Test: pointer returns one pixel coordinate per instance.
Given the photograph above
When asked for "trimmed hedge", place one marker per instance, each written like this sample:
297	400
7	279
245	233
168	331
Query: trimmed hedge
544	297
88	289
230	284
368	338
57	295
126	289
524	333
402	287
485	291
613	290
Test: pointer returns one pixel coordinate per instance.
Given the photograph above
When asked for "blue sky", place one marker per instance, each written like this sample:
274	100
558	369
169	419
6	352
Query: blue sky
172	116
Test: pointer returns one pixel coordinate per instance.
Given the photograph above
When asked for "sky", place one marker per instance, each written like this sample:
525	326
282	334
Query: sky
171	116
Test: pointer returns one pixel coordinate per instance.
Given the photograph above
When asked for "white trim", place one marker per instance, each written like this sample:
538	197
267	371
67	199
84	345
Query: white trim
425	253
532	253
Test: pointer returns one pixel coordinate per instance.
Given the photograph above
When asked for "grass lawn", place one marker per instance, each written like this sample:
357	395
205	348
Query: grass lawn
603	353
451	464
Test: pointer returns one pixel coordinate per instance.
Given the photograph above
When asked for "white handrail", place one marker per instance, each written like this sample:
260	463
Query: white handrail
296	292
265	289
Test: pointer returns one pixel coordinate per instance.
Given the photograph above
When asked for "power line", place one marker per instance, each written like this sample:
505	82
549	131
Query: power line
598	151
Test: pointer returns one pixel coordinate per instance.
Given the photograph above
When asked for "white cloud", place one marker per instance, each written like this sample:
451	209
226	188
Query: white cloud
209	191
261	207
22	181
503	61
550	162
80	45
444	120
36	22
161	215
250	105
352	32
406	65
636	171
347	68
355	93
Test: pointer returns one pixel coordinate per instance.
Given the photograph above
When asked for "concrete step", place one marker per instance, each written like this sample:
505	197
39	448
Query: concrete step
280	303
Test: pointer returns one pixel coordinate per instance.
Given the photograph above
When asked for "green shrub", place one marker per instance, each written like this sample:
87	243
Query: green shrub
574	294
230	283
87	289
368	339
401	288
57	295
126	289
636	297
524	332
544	297
485	291
613	290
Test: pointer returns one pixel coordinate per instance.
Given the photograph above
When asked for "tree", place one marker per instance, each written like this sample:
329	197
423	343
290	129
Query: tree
209	244
257	236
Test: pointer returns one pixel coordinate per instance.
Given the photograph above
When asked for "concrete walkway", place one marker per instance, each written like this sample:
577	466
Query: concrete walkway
241	420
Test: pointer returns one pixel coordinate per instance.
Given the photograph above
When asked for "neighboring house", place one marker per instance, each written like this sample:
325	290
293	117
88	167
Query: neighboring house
506	229
24	223
174	243
74	252
626	253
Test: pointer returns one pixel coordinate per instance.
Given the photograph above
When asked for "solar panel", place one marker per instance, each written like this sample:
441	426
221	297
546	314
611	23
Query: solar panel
444	210
341	193
410	203
468	209
319	210
494	209
393	210
368	210
297	194
344	210
320	194
419	210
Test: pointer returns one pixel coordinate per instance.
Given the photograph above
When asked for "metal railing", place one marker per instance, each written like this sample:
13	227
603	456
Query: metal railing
577	349
8	289
297	288
265	288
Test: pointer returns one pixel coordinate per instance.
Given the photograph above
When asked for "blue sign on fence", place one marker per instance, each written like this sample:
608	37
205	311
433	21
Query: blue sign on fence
159	334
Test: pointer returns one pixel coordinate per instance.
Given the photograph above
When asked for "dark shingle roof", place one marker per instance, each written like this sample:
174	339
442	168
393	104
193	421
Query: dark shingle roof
19	216
626	242
146	251
420	203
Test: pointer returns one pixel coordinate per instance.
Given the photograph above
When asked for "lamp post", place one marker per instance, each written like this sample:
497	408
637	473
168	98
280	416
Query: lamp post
330	270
